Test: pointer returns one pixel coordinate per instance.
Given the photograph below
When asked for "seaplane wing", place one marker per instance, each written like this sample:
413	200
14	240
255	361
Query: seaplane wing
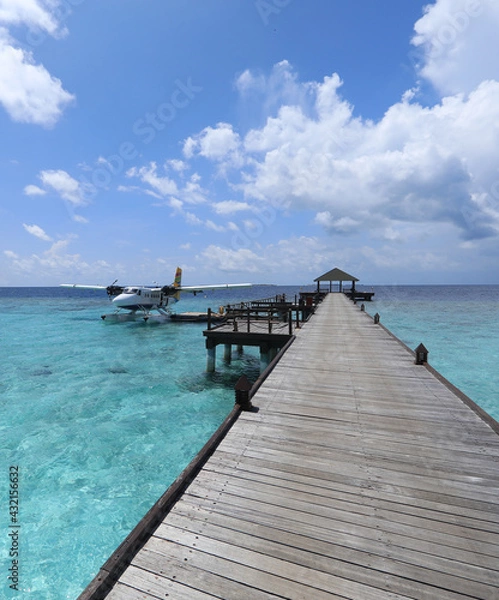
112	290
143	299
82	286
217	286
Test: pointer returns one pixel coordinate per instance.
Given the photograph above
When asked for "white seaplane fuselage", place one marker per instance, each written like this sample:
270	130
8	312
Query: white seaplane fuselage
143	299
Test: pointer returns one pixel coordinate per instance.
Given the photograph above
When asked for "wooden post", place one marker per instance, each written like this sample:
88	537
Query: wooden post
227	353
209	319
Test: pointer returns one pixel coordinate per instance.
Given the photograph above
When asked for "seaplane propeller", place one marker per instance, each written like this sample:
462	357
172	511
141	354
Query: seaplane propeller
114	290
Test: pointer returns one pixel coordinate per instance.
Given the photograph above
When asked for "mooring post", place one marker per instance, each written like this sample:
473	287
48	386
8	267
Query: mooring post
421	355
242	390
227	352
376	318
209	319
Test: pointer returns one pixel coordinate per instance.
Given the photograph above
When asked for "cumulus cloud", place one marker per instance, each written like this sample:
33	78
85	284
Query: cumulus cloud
416	164
458	43
38	232
28	92
220	144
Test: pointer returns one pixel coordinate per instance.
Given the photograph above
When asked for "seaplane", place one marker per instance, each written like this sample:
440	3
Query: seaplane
138	301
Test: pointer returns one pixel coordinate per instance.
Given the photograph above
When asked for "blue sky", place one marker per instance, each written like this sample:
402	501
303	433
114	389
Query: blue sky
249	140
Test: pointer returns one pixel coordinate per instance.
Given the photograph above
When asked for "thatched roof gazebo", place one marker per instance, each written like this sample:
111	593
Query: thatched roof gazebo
336	275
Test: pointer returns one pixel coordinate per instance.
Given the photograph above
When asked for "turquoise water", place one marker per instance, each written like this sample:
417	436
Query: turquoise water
101	417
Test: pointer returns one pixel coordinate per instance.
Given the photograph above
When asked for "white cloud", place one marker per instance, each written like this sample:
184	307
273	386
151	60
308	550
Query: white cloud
209	224
56	264
176	204
228	260
416	164
66	186
227	207
304	255
34	190
163	186
248	82
32	13
28	92
458	43
220	143
38	232
178	165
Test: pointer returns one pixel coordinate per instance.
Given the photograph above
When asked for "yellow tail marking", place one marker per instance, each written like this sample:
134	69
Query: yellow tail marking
178	277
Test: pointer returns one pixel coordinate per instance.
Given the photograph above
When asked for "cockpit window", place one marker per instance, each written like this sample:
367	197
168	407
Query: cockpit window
131	290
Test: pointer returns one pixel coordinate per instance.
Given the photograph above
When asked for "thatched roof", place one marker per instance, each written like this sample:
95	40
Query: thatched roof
336	275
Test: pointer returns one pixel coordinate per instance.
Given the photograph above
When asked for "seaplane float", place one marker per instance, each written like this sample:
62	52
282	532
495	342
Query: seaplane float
138	301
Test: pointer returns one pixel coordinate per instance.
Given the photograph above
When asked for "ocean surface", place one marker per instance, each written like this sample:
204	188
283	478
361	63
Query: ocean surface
98	418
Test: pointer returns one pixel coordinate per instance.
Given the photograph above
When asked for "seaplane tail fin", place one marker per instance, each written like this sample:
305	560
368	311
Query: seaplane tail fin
178	278
177	282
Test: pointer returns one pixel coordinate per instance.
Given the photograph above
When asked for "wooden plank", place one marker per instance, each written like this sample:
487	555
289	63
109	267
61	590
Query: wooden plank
307	579
362	564
406	500
140	584
247	579
321	509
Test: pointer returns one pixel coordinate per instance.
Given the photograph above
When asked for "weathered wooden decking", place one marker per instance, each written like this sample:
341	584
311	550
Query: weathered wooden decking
361	476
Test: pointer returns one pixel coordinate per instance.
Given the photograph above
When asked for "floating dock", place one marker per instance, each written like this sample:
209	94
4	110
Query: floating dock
358	475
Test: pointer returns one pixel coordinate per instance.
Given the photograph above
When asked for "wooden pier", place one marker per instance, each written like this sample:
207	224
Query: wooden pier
361	476
267	324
